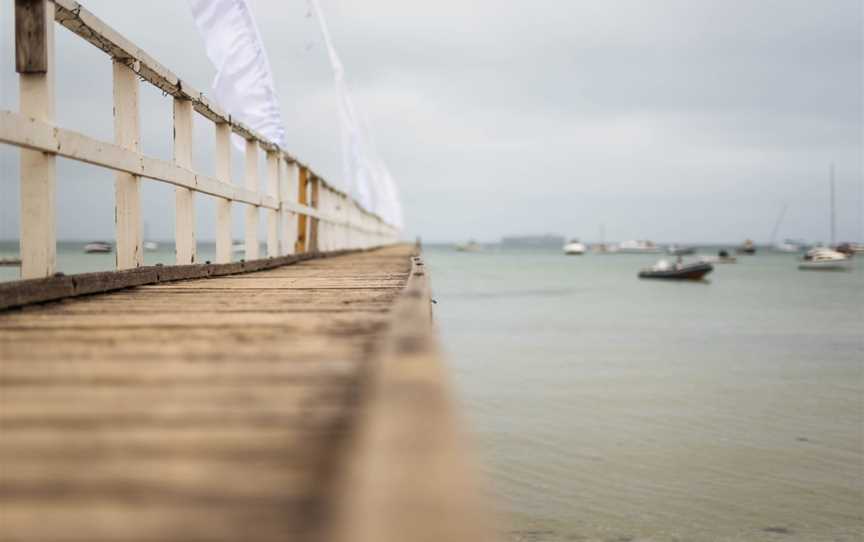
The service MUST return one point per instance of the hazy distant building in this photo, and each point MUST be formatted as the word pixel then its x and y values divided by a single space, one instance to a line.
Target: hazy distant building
pixel 532 241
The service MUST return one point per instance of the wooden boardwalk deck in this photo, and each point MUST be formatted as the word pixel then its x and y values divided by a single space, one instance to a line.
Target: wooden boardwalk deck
pixel 259 406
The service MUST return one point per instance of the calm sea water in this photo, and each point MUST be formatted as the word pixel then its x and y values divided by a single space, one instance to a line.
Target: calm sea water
pixel 611 408
pixel 614 409
pixel 71 257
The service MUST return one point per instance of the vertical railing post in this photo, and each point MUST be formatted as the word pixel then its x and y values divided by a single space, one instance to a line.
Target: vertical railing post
pixel 321 226
pixel 127 187
pixel 288 172
pixel 251 162
pixel 302 182
pixel 324 228
pixel 315 183
pixel 34 62
pixel 184 220
pixel 273 214
pixel 223 206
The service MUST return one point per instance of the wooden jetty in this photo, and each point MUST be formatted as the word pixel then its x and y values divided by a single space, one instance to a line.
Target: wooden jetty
pixel 306 400
pixel 293 395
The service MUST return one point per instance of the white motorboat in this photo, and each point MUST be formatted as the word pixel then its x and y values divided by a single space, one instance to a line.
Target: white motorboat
pixel 151 246
pixel 574 248
pixel 98 247
pixel 638 247
pixel 825 259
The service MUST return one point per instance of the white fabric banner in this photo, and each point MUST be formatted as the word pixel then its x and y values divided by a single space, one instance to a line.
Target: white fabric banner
pixel 243 85
pixel 367 177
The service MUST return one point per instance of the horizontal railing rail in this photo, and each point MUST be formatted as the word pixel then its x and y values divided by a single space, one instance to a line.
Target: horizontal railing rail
pixel 303 211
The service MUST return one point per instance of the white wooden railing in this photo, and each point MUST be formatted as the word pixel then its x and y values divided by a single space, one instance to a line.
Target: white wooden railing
pixel 304 212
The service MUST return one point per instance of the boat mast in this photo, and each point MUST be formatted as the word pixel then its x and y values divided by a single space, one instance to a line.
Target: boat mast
pixel 833 227
pixel 777 223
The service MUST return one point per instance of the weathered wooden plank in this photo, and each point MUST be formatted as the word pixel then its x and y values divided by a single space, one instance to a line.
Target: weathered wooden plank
pixel 31 43
pixel 30 133
pixel 223 206
pixel 127 206
pixel 314 202
pixel 35 43
pixel 302 198
pixel 200 413
pixel 229 442
pixel 403 476
pixel 163 370
pixel 288 173
pixel 273 248
pixel 251 211
pixel 172 517
pixel 25 292
pixel 169 319
pixel 184 208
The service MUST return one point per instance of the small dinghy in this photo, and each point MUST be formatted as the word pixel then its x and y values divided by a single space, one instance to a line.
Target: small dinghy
pixel 665 269
pixel 98 247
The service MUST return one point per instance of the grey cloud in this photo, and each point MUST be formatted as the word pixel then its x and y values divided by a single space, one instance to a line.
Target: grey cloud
pixel 675 119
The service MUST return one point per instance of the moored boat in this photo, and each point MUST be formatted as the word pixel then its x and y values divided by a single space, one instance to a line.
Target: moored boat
pixel 470 246
pixel 679 250
pixel 638 247
pixel 603 248
pixel 721 257
pixel 665 269
pixel 574 248
pixel 845 248
pixel 825 259
pixel 789 246
pixel 98 247
pixel 747 247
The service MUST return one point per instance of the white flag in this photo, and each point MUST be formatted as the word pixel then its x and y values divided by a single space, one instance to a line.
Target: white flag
pixel 243 85
pixel 368 179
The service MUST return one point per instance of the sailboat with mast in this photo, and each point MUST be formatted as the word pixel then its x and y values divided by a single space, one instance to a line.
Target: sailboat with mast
pixel 827 258
pixel 787 245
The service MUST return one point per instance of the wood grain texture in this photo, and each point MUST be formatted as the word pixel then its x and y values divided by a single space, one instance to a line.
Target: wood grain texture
pixel 314 202
pixel 210 409
pixel 127 187
pixel 31 41
pixel 184 207
pixel 223 206
pixel 251 211
pixel 302 221
pixel 405 479
pixel 273 218
pixel 38 169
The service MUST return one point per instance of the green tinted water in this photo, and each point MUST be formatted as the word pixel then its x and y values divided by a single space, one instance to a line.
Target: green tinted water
pixel 612 408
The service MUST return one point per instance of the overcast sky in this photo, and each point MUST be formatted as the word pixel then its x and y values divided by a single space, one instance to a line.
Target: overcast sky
pixel 674 120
